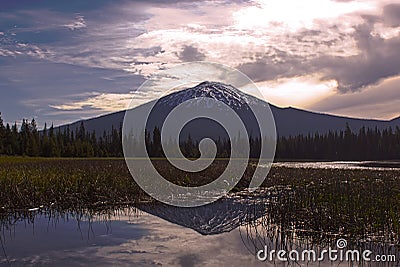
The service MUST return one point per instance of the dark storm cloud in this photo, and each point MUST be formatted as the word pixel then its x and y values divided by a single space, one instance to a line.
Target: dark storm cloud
pixel 378 59
pixel 190 53
pixel 391 15
pixel 188 260
pixel 269 67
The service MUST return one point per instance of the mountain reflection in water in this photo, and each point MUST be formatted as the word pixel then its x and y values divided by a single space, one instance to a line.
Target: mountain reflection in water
pixel 152 235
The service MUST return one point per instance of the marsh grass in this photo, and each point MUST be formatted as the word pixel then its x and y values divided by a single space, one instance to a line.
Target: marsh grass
pixel 360 203
pixel 66 184
pixel 76 184
pixel 312 208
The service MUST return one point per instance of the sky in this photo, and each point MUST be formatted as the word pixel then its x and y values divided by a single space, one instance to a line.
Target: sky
pixel 61 61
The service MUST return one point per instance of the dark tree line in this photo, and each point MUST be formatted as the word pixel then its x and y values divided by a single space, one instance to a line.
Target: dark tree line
pixel 27 140
pixel 366 144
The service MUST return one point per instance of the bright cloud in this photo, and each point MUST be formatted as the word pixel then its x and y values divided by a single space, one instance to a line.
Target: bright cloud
pixel 79 23
pixel 294 15
pixel 298 92
pixel 380 101
pixel 103 102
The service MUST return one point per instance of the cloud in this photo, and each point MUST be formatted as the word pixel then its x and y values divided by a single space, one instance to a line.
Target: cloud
pixel 104 43
pixel 265 49
pixel 163 35
pixel 104 102
pixel 79 23
pixel 294 15
pixel 380 101
pixel 391 15
pixel 378 59
pixel 277 64
pixel 300 92
pixel 30 86
pixel 191 53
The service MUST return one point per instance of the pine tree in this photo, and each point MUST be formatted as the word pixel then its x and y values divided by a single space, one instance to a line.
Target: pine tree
pixel 2 136
pixel 7 142
pixel 32 148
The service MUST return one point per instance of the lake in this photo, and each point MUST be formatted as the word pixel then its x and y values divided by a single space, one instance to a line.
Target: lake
pixel 207 236
pixel 228 232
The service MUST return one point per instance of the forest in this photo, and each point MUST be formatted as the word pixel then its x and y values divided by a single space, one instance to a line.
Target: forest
pixel 28 140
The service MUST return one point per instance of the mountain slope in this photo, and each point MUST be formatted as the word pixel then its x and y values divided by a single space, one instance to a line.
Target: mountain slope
pixel 289 121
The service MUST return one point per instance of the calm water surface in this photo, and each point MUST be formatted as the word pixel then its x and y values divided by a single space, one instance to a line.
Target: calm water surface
pixel 190 237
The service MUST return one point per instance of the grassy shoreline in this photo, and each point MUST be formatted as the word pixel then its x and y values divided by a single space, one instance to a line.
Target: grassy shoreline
pixel 28 182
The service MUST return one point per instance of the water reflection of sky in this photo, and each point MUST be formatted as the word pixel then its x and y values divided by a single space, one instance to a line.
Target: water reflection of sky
pixel 139 240
pixel 342 165
pixel 143 240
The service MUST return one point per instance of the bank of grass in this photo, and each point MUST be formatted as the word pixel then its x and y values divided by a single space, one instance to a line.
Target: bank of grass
pixel 27 183
pixel 79 183
pixel 22 159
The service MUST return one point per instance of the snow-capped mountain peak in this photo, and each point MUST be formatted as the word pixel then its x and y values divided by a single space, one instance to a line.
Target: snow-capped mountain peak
pixel 216 90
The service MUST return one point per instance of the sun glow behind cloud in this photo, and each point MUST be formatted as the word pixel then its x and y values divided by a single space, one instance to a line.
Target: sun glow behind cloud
pixel 246 32
pixel 105 102
pixel 379 101
pixel 297 92
pixel 294 15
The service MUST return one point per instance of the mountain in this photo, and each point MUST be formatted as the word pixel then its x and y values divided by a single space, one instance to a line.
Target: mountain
pixel 228 94
pixel 289 121
pixel 223 215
